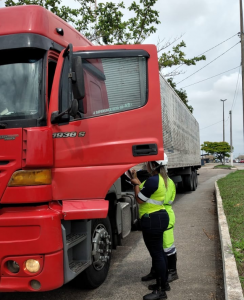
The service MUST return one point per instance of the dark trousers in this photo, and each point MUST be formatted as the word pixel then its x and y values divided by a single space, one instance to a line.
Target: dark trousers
pixel 153 227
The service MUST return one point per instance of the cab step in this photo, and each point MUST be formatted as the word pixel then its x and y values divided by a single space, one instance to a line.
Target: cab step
pixel 78 266
pixel 74 238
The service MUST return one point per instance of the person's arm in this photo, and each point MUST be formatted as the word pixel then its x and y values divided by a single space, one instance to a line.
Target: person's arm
pixel 136 182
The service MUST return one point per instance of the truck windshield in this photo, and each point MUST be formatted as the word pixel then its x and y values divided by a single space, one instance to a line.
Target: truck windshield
pixel 20 84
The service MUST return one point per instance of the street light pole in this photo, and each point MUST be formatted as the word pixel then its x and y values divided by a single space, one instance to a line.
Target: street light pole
pixel 223 118
pixel 231 152
pixel 242 60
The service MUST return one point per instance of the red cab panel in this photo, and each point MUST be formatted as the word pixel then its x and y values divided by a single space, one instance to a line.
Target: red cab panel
pixel 27 194
pixel 10 155
pixel 37 148
pixel 85 209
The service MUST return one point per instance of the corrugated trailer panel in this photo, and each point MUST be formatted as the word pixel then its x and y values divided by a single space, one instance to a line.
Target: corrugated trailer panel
pixel 180 129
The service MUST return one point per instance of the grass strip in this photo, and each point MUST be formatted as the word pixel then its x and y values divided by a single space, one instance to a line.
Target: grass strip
pixel 232 192
pixel 223 167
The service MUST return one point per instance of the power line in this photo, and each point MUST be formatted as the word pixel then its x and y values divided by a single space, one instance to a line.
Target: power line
pixel 209 77
pixel 208 63
pixel 211 125
pixel 208 50
pixel 218 44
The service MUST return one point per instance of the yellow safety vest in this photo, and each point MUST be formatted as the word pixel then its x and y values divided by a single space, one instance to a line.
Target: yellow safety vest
pixel 156 200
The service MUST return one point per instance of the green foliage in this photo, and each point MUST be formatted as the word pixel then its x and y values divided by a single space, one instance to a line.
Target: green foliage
pixel 218 149
pixel 181 93
pixel 222 167
pixel 177 57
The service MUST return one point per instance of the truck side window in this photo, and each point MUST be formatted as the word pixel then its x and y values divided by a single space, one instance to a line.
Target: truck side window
pixel 114 85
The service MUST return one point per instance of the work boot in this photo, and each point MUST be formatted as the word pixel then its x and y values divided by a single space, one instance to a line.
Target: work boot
pixel 172 275
pixel 150 276
pixel 156 295
pixel 172 271
pixel 155 286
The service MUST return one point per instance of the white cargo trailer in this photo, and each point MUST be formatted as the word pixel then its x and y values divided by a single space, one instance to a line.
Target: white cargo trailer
pixel 181 138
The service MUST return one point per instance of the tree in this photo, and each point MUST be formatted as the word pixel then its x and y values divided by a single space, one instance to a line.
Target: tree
pixel 106 25
pixel 218 149
pixel 176 58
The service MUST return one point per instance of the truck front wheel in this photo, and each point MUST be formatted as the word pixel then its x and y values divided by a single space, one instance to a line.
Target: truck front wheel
pixel 101 236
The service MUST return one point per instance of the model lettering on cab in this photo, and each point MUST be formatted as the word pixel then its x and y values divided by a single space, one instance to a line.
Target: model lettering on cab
pixel 8 137
pixel 64 134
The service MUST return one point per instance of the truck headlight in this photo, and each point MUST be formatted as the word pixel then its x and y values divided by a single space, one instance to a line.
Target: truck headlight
pixel 31 177
pixel 32 265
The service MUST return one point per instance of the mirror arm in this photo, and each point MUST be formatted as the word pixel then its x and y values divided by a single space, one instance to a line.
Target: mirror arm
pixel 56 115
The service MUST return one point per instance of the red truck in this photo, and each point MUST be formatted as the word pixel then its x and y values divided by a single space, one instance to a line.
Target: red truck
pixel 73 118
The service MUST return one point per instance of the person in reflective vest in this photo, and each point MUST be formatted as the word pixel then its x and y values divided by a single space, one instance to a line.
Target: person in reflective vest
pixel 168 238
pixel 150 196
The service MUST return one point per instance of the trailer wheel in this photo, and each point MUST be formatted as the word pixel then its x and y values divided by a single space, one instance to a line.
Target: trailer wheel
pixel 188 182
pixel 101 236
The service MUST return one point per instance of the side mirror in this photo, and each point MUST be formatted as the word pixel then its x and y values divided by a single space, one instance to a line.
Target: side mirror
pixel 78 85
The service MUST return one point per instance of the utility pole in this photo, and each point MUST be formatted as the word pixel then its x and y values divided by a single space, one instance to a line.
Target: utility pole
pixel 223 118
pixel 242 60
pixel 231 151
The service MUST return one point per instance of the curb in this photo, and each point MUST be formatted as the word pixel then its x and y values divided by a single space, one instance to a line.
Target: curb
pixel 233 290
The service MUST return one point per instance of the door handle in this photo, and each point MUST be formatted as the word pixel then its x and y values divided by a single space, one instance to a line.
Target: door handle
pixel 146 149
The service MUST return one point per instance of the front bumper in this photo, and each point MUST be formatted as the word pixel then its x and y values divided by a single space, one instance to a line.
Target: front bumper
pixel 29 232
pixel 51 277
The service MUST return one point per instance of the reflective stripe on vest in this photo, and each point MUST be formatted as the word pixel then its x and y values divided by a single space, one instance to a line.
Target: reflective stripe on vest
pixel 155 202
pixel 149 200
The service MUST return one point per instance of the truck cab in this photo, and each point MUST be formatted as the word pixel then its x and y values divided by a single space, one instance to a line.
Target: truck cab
pixel 73 118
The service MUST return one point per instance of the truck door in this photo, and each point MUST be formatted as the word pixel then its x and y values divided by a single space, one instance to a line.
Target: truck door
pixel 118 124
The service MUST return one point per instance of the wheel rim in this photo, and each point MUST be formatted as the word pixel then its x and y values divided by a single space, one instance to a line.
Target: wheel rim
pixel 101 247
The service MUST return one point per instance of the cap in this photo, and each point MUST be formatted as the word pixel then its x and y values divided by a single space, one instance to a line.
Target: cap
pixel 163 162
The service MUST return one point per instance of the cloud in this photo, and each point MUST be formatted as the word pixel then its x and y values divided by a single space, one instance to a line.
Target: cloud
pixel 208 110
pixel 183 12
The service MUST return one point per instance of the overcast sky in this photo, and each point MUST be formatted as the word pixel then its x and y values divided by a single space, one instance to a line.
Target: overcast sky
pixel 204 24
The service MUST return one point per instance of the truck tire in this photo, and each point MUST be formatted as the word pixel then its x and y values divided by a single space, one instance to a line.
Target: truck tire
pixel 188 182
pixel 97 272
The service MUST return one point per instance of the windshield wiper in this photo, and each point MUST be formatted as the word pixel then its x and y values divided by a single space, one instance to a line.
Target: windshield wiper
pixel 3 125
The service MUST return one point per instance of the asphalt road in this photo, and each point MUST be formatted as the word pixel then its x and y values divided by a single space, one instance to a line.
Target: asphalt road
pixel 199 257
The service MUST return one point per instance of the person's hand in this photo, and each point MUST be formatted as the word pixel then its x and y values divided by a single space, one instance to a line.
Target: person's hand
pixel 134 179
pixel 134 174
